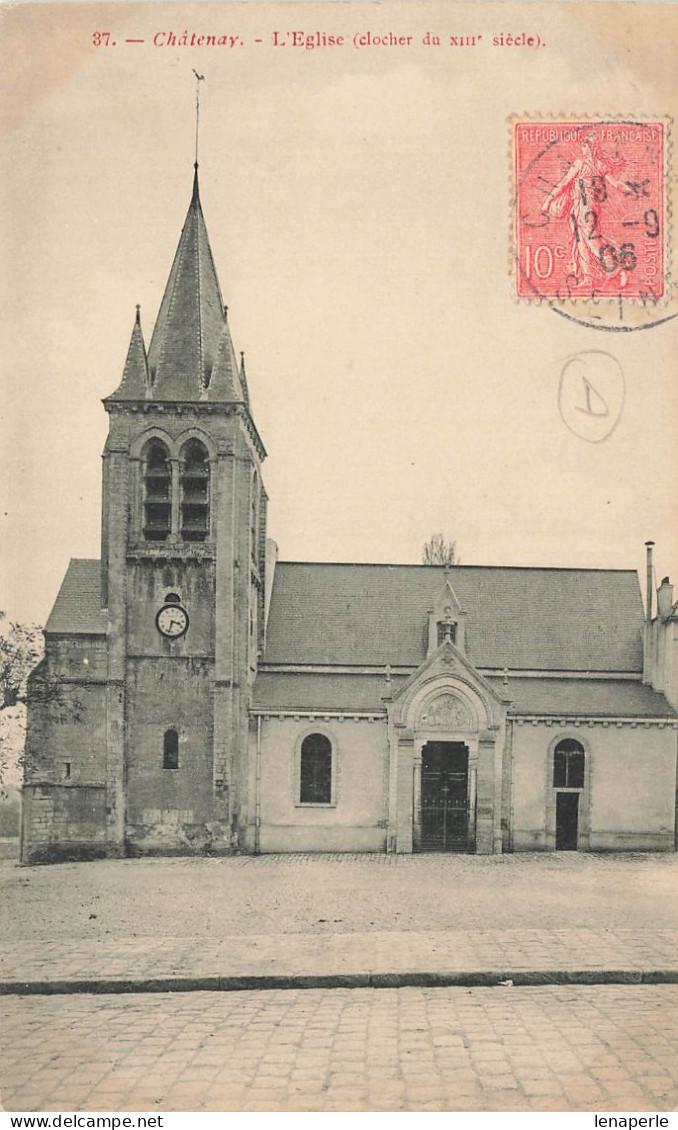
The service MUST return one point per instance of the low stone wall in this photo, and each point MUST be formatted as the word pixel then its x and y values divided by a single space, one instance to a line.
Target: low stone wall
pixel 62 822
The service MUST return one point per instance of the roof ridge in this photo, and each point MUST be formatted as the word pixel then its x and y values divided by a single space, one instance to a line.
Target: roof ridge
pixel 417 565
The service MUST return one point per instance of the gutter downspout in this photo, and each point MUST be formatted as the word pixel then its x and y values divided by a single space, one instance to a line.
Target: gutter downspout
pixel 257 792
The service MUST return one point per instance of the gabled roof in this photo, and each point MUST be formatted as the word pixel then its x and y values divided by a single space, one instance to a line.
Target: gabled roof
pixel 77 609
pixel 521 618
pixel 542 619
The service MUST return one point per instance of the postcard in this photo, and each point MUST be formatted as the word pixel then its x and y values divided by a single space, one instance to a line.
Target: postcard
pixel 338 464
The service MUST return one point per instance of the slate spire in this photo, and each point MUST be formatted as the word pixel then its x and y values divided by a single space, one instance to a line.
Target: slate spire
pixel 243 379
pixel 191 321
pixel 135 383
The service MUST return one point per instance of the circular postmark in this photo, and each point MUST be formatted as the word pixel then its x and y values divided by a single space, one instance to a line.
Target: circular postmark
pixel 591 233
pixel 591 394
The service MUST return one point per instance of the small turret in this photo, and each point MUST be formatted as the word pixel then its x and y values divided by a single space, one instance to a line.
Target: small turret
pixel 135 383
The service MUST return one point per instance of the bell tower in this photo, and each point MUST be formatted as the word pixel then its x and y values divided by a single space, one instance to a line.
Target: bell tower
pixel 182 569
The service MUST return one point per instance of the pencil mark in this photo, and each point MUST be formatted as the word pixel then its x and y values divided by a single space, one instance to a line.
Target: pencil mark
pixel 591 394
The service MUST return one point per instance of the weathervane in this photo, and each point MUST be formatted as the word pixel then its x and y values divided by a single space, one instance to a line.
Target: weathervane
pixel 198 80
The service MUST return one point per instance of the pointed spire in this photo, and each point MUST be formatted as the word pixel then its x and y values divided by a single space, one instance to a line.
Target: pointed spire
pixel 191 321
pixel 225 384
pixel 135 383
pixel 243 379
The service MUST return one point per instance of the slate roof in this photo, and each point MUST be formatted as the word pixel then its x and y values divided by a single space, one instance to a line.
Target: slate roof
pixel 553 619
pixel 307 691
pixel 135 384
pixel 588 697
pixel 567 697
pixel 77 608
pixel 191 355
pixel 373 615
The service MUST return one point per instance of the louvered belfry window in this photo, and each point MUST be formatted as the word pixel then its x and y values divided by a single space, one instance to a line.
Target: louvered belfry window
pixel 157 492
pixel 195 488
pixel 316 770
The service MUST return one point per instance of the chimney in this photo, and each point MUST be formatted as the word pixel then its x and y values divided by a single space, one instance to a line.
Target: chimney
pixel 649 546
pixel 664 599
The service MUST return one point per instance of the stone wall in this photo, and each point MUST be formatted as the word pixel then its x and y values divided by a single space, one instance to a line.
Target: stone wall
pixel 63 822
pixel 168 810
pixel 628 802
pixel 357 818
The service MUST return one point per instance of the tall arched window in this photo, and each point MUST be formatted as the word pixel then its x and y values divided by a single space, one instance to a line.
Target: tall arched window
pixel 157 491
pixel 569 761
pixel 170 750
pixel 195 489
pixel 316 770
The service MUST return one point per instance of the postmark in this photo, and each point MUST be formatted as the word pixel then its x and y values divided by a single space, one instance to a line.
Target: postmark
pixel 591 219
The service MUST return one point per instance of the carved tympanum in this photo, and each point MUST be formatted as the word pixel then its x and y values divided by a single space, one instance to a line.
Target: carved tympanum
pixel 448 711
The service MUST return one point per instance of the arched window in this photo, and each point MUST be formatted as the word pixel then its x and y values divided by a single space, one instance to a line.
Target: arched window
pixel 195 488
pixel 568 765
pixel 170 750
pixel 157 492
pixel 316 770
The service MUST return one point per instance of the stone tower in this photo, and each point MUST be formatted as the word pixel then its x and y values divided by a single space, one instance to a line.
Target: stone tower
pixel 161 739
pixel 182 568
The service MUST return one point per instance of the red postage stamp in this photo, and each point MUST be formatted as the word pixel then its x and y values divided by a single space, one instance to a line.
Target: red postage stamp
pixel 589 219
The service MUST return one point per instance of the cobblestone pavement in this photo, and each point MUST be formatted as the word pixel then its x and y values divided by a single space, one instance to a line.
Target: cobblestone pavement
pixel 502 952
pixel 451 1049
pixel 337 894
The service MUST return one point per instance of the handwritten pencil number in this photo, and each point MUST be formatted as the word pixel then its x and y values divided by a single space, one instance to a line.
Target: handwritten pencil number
pixel 596 405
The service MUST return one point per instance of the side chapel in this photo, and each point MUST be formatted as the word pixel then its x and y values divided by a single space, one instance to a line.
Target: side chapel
pixel 198 695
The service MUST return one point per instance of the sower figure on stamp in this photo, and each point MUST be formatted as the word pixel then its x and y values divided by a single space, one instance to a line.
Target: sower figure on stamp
pixel 580 196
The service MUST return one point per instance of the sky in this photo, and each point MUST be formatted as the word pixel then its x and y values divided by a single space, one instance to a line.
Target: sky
pixel 359 205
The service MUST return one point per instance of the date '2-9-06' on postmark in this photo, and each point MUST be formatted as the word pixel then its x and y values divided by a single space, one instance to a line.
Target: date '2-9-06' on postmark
pixel 589 221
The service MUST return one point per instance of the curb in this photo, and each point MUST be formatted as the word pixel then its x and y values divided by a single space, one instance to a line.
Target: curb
pixel 230 984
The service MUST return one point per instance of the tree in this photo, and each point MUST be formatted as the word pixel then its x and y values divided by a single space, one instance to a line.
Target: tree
pixel 437 551
pixel 21 648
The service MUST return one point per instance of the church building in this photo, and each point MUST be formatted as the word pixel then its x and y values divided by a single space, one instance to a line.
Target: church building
pixel 198 695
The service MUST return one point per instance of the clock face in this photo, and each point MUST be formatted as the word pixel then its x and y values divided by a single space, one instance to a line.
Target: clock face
pixel 172 621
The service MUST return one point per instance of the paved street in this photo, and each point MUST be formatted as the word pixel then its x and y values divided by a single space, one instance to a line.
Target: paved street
pixel 555 1046
pixel 563 1048
pixel 382 959
pixel 322 894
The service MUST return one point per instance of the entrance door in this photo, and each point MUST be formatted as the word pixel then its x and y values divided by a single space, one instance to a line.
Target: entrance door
pixel 444 797
pixel 567 821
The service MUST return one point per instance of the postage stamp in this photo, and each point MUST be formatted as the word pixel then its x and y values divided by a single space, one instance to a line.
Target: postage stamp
pixel 590 219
